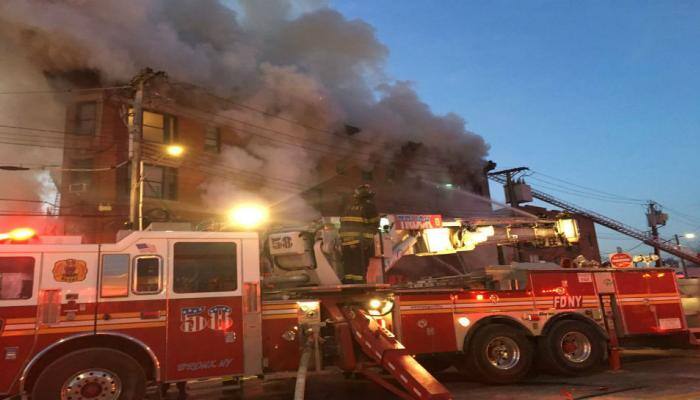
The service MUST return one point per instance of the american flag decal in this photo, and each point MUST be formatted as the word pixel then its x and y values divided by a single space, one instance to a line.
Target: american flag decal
pixel 146 248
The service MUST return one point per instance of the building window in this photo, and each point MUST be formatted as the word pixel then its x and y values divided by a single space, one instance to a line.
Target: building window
pixel 82 177
pixel 159 182
pixel 16 278
pixel 200 267
pixel 115 275
pixel 158 128
pixel 147 273
pixel 212 140
pixel 86 118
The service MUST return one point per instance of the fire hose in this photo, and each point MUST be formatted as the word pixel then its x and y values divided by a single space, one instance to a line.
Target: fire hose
pixel 303 368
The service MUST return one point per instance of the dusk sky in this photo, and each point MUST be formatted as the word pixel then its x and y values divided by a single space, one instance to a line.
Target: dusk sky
pixel 602 94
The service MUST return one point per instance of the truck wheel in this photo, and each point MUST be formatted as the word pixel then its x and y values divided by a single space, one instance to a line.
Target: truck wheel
pixel 93 373
pixel 500 354
pixel 572 348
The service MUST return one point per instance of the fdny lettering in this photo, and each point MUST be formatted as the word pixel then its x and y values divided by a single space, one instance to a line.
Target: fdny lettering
pixel 220 318
pixel 568 301
pixel 217 318
pixel 192 320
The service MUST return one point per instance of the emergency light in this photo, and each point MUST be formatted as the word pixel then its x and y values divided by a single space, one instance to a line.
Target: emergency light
pixel 18 235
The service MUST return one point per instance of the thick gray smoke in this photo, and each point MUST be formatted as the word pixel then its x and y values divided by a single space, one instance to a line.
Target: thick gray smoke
pixel 299 61
pixel 18 109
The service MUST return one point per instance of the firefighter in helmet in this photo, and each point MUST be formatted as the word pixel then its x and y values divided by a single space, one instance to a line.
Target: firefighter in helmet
pixel 357 228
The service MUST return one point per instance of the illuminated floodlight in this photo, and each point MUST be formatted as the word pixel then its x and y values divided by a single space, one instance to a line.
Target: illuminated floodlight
pixel 689 236
pixel 438 240
pixel 249 216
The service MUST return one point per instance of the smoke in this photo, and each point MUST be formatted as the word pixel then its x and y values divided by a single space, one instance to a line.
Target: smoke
pixel 309 69
pixel 17 74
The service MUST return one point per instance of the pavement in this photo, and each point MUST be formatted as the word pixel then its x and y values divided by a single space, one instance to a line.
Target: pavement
pixel 645 374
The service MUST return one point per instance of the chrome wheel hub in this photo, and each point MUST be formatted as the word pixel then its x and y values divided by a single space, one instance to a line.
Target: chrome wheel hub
pixel 503 352
pixel 94 383
pixel 576 347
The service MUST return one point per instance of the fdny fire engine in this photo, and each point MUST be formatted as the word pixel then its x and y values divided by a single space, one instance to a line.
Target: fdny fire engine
pixel 88 321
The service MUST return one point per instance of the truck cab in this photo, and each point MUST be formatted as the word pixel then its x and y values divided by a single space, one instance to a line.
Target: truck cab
pixel 179 305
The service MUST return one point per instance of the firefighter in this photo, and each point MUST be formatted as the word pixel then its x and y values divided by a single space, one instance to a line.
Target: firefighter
pixel 357 228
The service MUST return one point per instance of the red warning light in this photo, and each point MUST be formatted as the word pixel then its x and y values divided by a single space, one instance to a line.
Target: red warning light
pixel 18 235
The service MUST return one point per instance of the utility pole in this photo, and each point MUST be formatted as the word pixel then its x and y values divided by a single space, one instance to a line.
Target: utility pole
pixel 683 265
pixel 135 138
pixel 655 218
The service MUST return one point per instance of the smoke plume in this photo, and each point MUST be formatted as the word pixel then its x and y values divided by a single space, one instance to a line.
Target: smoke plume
pixel 307 70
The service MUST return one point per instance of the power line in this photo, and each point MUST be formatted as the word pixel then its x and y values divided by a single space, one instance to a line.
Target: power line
pixel 18 92
pixel 590 189
pixel 331 148
pixel 272 115
pixel 581 194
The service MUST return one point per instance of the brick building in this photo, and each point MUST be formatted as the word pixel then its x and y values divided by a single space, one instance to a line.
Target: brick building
pixel 95 203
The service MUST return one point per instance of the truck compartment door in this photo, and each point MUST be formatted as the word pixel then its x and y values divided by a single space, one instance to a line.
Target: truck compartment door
pixel 19 281
pixel 205 309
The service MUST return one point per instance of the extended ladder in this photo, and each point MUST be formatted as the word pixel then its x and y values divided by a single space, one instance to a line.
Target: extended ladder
pixel 608 223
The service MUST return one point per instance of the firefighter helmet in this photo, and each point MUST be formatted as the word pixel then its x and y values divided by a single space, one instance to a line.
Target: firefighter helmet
pixel 363 192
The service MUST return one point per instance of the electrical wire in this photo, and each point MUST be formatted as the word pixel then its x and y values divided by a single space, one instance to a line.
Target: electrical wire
pixel 331 149
pixel 21 92
pixel 580 194
pixel 589 188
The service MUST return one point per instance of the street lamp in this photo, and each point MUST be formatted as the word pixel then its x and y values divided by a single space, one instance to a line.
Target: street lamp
pixel 689 235
pixel 172 150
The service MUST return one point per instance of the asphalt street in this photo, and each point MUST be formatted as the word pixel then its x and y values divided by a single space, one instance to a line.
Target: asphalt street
pixel 646 374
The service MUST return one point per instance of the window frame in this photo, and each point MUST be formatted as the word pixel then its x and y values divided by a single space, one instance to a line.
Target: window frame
pixel 238 270
pixel 20 300
pixel 169 129
pixel 134 274
pixel 128 274
pixel 85 177
pixel 212 149
pixel 168 184
pixel 78 121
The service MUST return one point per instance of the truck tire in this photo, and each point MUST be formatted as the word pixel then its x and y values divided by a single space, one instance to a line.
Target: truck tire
pixel 92 373
pixel 500 354
pixel 571 348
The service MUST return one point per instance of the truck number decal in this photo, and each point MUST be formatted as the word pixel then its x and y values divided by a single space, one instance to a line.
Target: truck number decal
pixel 194 319
pixel 568 301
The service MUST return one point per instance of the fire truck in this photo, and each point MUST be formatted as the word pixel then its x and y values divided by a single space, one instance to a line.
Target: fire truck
pixel 101 321
pixel 498 321
pixel 89 321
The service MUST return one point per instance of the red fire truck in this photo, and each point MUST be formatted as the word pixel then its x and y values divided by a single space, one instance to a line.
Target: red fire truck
pixel 497 325
pixel 89 321
pixel 84 321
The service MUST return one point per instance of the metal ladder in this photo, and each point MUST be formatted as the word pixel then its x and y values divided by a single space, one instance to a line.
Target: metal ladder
pixel 384 351
pixel 608 223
